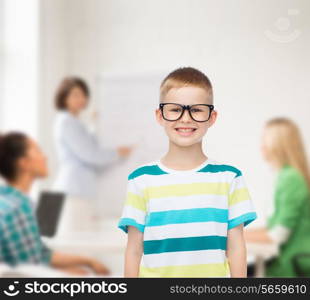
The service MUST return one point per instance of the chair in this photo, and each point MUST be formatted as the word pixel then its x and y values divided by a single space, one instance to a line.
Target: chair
pixel 301 264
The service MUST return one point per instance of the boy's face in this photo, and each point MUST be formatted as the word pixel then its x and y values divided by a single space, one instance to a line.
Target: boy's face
pixel 185 131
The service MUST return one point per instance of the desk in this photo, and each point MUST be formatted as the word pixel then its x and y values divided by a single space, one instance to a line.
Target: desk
pixel 107 245
pixel 261 252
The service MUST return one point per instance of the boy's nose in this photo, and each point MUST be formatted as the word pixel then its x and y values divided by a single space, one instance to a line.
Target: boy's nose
pixel 186 116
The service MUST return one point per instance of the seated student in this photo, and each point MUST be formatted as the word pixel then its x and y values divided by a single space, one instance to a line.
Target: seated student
pixel 21 162
pixel 289 225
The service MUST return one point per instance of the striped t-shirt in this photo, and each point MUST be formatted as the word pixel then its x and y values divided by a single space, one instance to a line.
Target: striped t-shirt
pixel 185 216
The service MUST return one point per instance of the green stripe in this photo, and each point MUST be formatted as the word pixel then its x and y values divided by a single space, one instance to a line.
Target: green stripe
pixel 220 168
pixel 125 222
pixel 185 244
pixel 146 170
pixel 207 214
pixel 246 219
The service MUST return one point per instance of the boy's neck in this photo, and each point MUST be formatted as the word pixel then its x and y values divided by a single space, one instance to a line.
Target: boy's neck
pixel 23 183
pixel 184 158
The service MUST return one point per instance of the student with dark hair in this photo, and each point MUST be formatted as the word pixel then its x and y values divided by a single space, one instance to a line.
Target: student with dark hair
pixel 81 157
pixel 21 162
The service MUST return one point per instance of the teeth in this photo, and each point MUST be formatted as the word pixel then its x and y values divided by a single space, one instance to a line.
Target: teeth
pixel 185 129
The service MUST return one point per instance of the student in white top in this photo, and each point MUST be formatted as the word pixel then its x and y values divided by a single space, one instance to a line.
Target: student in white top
pixel 81 157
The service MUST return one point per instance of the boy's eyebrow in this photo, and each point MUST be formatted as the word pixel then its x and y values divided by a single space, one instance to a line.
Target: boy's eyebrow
pixel 198 103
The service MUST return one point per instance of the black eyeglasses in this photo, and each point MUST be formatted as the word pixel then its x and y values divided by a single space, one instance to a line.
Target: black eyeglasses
pixel 174 111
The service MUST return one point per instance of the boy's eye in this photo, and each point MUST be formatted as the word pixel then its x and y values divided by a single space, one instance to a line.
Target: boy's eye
pixel 175 109
pixel 195 110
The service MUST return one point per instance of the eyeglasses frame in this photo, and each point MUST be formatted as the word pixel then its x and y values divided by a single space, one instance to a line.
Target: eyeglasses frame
pixel 185 107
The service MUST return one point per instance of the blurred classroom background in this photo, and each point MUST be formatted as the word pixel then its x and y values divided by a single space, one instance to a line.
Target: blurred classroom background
pixel 256 54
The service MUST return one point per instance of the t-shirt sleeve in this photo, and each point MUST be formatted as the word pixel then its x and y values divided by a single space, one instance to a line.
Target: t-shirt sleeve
pixel 46 254
pixel 290 195
pixel 240 206
pixel 134 211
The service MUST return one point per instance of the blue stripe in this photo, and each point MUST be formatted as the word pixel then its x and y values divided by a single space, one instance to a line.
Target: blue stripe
pixel 185 244
pixel 146 170
pixel 125 222
pixel 246 219
pixel 220 168
pixel 187 216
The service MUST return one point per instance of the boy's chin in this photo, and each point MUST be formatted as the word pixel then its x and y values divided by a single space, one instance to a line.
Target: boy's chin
pixel 184 144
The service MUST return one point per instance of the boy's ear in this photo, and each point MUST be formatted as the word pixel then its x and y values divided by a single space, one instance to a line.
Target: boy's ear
pixel 212 118
pixel 159 117
pixel 22 164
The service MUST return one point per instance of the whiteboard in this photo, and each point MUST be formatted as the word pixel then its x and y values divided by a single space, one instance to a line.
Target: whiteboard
pixel 126 105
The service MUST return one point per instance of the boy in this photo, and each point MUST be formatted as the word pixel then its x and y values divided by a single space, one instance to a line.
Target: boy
pixel 185 213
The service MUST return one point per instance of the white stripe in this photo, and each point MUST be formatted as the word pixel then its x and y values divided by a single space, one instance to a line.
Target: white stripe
pixel 133 213
pixel 183 258
pixel 188 202
pixel 183 178
pixel 240 208
pixel 185 230
pixel 134 187
pixel 238 183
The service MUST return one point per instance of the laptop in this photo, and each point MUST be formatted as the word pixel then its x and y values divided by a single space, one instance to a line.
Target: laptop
pixel 48 212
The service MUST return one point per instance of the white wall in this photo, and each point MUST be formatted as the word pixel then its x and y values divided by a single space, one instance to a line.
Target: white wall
pixel 255 53
pixel 19 65
pixel 53 67
pixel 1 54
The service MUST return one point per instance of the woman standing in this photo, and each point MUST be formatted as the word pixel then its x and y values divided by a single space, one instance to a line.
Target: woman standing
pixel 81 157
pixel 289 225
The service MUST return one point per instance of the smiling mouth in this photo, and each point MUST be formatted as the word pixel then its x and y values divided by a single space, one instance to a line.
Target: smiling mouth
pixel 185 129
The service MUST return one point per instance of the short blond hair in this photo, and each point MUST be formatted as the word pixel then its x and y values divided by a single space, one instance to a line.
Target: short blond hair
pixel 186 76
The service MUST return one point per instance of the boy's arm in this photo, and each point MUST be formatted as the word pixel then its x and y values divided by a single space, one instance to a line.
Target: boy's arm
pixel 236 252
pixel 134 251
